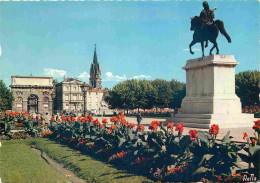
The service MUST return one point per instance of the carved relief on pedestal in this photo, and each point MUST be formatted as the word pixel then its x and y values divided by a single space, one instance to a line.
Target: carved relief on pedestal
pixel 45 93
pixel 19 93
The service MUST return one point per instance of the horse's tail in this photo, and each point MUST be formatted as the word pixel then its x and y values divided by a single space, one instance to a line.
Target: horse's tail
pixel 222 30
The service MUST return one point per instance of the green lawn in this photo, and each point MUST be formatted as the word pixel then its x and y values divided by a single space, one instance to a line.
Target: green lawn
pixel 85 166
pixel 18 164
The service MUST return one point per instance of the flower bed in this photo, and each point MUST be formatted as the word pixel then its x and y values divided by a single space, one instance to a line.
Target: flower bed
pixel 19 120
pixel 159 154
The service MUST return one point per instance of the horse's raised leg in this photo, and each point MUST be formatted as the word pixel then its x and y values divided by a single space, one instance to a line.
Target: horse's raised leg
pixel 191 44
pixel 206 44
pixel 202 48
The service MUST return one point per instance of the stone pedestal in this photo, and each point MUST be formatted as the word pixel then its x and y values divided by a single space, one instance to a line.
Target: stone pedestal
pixel 210 94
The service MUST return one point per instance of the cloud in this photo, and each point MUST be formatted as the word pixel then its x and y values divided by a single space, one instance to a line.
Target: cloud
pixel 54 72
pixel 84 75
pixel 140 77
pixel 194 49
pixel 111 77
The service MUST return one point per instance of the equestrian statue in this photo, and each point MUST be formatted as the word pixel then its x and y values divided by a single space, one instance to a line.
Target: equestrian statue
pixel 206 29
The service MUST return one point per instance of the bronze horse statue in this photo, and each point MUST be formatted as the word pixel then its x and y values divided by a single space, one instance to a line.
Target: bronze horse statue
pixel 206 33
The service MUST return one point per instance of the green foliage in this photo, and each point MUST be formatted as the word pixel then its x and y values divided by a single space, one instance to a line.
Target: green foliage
pixel 143 94
pixel 159 154
pixel 247 87
pixel 6 97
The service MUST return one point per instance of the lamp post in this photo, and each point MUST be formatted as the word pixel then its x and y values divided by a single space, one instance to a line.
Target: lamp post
pixel 53 95
pixel 84 88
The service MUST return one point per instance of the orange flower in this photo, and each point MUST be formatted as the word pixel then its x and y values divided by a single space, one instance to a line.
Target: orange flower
pixel 31 116
pixel 214 130
pixel 59 120
pixel 179 128
pixel 2 117
pixel 104 120
pixel 131 125
pixel 253 140
pixel 24 117
pixel 140 128
pixel 113 119
pixel 170 125
pixel 113 127
pixel 245 136
pixel 102 126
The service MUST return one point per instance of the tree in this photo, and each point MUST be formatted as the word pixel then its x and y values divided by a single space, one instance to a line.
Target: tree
pixel 178 93
pixel 6 97
pixel 163 94
pixel 247 87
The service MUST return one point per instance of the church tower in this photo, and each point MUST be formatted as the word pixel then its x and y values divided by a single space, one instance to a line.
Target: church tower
pixel 95 73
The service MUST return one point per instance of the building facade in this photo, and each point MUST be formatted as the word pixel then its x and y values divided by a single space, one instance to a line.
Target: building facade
pixel 32 94
pixel 70 98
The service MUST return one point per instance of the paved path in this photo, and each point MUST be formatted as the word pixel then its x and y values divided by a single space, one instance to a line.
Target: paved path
pixel 237 133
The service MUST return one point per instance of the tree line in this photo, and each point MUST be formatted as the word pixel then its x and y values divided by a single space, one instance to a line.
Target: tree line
pixel 159 93
pixel 144 94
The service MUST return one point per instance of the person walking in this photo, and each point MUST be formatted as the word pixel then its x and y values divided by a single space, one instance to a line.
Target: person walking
pixel 139 118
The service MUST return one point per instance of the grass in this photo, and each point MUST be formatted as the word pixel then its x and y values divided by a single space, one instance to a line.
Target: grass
pixel 85 166
pixel 18 164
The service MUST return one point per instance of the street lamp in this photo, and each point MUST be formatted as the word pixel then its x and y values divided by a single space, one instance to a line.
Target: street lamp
pixel 53 95
pixel 84 88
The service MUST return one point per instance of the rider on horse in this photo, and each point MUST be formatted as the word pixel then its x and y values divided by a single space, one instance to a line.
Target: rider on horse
pixel 207 15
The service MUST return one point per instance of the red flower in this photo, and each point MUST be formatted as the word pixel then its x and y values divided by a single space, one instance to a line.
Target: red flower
pixel 137 160
pixel 193 134
pixel 179 128
pixel 37 117
pixel 3 117
pixel 31 116
pixel 96 122
pixel 214 130
pixel 170 125
pixel 131 125
pixel 257 125
pixel 59 120
pixel 52 118
pixel 104 121
pixel 153 125
pixel 90 118
pixel 245 136
pixel 140 128
pixel 219 177
pixel 109 130
pixel 102 126
pixel 24 117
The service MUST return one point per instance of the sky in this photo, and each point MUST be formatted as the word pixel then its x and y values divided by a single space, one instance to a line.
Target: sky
pixel 135 39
